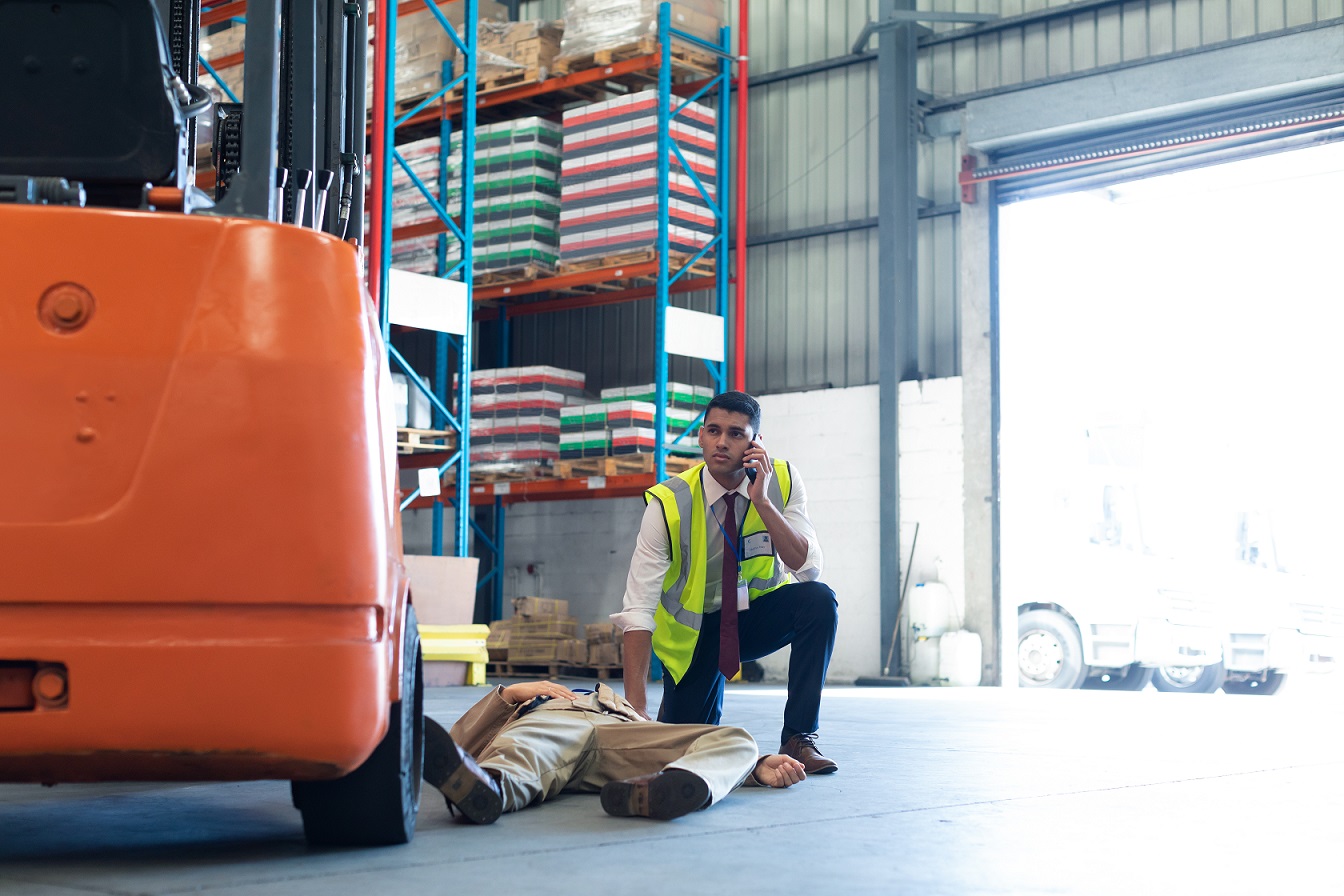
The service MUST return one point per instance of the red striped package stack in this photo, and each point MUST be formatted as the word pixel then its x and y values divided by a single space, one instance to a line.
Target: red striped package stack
pixel 631 440
pixel 515 416
pixel 609 179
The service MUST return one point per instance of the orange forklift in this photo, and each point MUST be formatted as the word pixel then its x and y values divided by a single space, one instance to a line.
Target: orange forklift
pixel 199 529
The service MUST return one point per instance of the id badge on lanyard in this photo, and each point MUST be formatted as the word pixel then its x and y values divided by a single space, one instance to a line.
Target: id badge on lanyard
pixel 729 543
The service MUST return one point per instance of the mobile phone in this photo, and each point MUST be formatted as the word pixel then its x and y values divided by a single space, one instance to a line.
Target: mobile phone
pixel 751 471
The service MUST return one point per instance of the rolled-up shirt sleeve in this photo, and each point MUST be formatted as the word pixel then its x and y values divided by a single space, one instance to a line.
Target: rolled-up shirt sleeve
pixel 648 568
pixel 796 514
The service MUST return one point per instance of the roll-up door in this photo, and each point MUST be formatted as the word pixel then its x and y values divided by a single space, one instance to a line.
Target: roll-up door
pixel 1163 145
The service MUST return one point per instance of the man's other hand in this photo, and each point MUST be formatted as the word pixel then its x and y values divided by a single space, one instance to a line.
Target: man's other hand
pixel 777 770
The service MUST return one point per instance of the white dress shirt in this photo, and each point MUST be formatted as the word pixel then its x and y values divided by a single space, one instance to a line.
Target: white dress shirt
pixel 653 554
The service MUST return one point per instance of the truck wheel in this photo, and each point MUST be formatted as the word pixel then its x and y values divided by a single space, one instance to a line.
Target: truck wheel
pixel 1049 651
pixel 1133 678
pixel 1273 681
pixel 1189 679
pixel 376 804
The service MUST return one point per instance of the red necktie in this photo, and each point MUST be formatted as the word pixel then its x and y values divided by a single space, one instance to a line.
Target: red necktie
pixel 728 653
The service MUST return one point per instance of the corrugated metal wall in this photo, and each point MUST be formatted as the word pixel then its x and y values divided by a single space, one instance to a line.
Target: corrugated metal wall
pixel 813 161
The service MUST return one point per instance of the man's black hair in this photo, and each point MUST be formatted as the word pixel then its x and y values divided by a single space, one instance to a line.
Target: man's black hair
pixel 738 403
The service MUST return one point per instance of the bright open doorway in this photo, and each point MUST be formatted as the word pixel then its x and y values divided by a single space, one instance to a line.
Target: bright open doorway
pixel 1170 363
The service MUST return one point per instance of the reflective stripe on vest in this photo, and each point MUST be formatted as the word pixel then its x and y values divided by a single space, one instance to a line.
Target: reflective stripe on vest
pixel 680 611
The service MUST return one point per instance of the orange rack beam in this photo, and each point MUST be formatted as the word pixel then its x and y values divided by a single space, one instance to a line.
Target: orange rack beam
pixel 528 490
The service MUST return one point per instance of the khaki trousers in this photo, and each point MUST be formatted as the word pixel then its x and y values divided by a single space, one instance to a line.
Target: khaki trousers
pixel 565 746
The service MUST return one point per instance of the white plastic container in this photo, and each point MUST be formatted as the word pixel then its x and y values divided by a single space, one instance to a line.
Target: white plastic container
pixel 931 610
pixel 924 661
pixel 958 660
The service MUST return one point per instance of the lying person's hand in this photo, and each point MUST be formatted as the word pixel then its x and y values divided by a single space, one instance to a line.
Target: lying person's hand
pixel 777 770
pixel 530 690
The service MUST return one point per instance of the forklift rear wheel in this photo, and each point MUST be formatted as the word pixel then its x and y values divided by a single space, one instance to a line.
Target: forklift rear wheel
pixel 376 804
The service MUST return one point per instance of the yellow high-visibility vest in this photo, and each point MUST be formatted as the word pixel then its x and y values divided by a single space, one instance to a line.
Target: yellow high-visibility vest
pixel 681 608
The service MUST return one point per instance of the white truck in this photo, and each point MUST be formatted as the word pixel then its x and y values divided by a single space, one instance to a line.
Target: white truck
pixel 1111 612
pixel 1272 623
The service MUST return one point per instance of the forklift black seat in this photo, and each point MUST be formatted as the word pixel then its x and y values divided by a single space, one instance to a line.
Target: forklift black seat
pixel 85 95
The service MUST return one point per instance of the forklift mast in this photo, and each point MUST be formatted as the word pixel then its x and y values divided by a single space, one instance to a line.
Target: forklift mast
pixel 104 122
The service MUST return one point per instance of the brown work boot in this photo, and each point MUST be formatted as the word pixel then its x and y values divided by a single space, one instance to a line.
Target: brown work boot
pixel 664 795
pixel 464 784
pixel 803 747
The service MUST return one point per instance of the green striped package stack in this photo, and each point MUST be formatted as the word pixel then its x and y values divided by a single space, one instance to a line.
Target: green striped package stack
pixel 632 407
pixel 584 432
pixel 517 207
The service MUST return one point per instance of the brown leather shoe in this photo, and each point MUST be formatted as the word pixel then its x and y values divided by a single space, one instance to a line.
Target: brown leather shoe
pixel 464 784
pixel 664 795
pixel 803 747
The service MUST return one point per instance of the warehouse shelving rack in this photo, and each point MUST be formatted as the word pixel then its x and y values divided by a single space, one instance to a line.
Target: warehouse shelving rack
pixel 382 156
pixel 655 279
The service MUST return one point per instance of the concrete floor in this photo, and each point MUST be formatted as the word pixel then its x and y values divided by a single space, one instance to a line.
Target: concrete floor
pixel 940 792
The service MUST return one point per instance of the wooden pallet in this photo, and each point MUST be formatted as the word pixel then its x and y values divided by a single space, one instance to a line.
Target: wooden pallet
pixel 620 465
pixel 533 470
pixel 675 260
pixel 502 81
pixel 531 271
pixel 683 56
pixel 420 441
pixel 553 670
pixel 405 104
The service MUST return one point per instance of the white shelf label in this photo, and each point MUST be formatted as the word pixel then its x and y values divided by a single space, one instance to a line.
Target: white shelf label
pixel 695 334
pixel 427 303
pixel 429 481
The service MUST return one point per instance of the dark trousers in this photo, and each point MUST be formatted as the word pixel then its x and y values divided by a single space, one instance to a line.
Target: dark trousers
pixel 803 614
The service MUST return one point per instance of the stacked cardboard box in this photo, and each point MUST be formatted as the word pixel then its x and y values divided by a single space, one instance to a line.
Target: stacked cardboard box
pixel 517 205
pixel 604 644
pixel 516 411
pixel 497 642
pixel 595 25
pixel 538 627
pixel 609 179
pixel 573 651
pixel 516 51
pixel 423 46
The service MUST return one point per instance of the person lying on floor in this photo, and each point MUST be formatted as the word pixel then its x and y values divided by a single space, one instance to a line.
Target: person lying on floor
pixel 528 742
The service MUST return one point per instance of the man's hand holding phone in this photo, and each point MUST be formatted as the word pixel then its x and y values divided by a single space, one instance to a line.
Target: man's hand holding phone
pixel 759 470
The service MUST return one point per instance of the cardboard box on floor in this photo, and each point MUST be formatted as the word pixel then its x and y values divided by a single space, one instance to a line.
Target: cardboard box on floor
pixel 497 642
pixel 604 654
pixel 602 633
pixel 573 651
pixel 540 607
